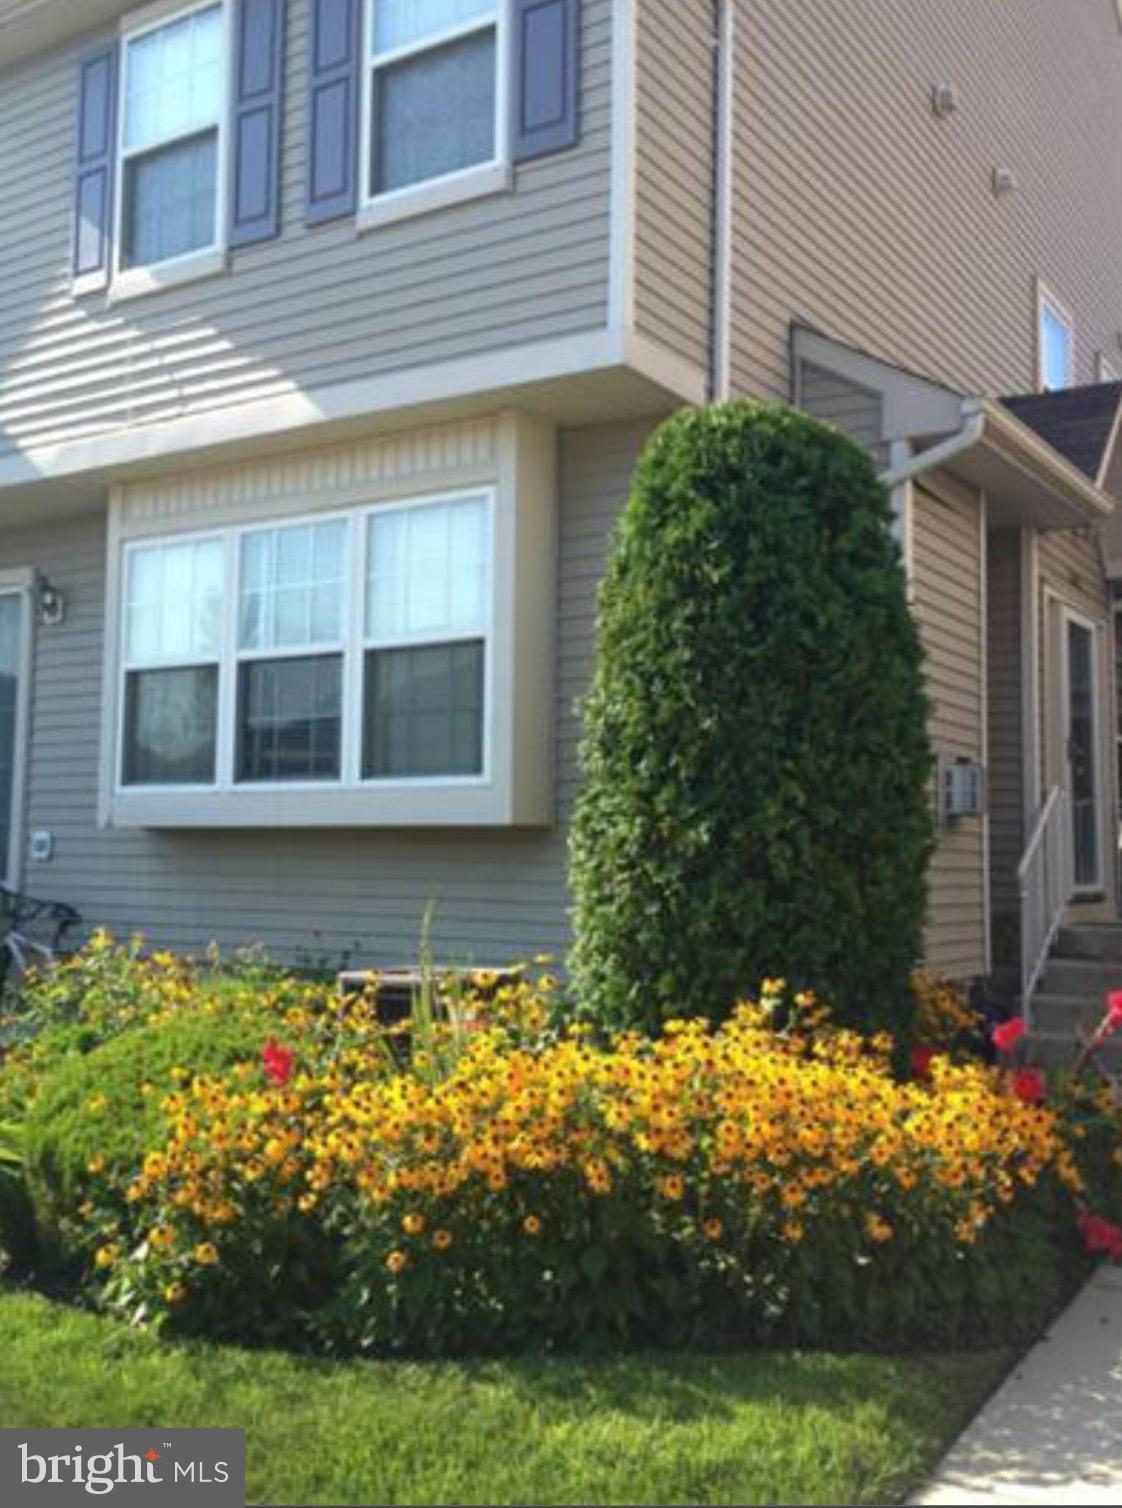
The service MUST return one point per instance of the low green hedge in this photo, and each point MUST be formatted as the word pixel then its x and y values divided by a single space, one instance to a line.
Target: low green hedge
pixel 256 1159
pixel 104 1106
pixel 18 1244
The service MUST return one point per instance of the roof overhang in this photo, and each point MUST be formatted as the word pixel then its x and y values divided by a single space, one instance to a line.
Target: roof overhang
pixel 30 26
pixel 1025 480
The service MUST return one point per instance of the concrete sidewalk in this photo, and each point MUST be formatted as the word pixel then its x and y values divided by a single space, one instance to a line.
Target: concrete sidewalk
pixel 1053 1433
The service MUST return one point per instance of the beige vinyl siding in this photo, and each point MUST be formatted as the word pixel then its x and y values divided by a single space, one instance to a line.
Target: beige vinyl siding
pixel 675 83
pixel 498 895
pixel 1006 735
pixel 948 602
pixel 315 307
pixel 855 410
pixel 1070 567
pixel 859 213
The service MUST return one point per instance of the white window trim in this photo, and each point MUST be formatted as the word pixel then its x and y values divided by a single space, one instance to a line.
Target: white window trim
pixel 479 180
pixel 129 665
pixel 204 261
pixel 1046 300
pixel 352 649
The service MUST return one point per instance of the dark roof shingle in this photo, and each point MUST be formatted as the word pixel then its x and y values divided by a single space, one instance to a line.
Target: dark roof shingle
pixel 1077 421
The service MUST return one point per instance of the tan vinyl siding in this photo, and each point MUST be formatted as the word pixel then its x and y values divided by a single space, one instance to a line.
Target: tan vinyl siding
pixel 1006 734
pixel 948 603
pixel 311 309
pixel 498 895
pixel 855 410
pixel 859 213
pixel 675 74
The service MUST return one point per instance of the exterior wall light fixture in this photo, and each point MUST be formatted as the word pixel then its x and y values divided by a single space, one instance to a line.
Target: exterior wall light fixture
pixel 50 604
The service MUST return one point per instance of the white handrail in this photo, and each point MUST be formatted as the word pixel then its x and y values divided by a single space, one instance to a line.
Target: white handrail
pixel 1044 877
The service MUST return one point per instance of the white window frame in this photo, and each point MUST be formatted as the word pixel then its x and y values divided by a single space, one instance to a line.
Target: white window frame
pixel 203 261
pixel 353 650
pixel 367 641
pixel 1047 302
pixel 234 656
pixel 130 666
pixel 482 178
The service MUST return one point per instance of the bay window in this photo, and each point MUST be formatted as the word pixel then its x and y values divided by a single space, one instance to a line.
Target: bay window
pixel 356 651
pixel 173 99
pixel 357 636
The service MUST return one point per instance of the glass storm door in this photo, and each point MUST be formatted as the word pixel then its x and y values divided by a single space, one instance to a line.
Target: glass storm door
pixel 1082 754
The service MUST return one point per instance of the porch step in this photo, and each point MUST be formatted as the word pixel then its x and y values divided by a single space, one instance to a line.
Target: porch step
pixel 1057 1049
pixel 1098 940
pixel 1085 965
pixel 1066 1014
pixel 1088 979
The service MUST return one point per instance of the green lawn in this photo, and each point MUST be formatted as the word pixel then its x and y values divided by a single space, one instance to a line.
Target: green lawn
pixel 751 1429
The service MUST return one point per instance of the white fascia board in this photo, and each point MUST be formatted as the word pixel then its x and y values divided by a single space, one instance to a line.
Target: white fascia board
pixel 112 456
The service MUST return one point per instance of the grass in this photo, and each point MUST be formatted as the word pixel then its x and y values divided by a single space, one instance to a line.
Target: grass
pixel 750 1429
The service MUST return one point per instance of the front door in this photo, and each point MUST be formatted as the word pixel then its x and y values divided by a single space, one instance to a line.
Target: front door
pixel 1084 778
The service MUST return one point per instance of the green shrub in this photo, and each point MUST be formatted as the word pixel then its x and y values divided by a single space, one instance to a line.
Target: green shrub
pixel 104 1106
pixel 738 1186
pixel 18 1245
pixel 756 760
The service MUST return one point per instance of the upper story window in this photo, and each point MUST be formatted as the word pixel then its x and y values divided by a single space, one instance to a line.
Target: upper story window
pixel 1055 343
pixel 173 103
pixel 355 651
pixel 433 90
pixel 407 106
pixel 436 92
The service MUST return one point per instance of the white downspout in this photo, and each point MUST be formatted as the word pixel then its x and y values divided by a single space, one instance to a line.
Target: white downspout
pixel 724 46
pixel 955 445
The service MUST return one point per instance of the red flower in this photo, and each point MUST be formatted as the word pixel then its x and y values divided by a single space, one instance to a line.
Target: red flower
pixel 922 1057
pixel 1114 1011
pixel 278 1062
pixel 1029 1085
pixel 1006 1037
pixel 1102 1237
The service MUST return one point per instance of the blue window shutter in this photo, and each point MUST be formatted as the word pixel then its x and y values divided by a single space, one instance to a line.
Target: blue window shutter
pixel 95 163
pixel 333 106
pixel 546 76
pixel 258 120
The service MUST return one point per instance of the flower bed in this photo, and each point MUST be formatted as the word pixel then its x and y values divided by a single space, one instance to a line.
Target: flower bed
pixel 523 1184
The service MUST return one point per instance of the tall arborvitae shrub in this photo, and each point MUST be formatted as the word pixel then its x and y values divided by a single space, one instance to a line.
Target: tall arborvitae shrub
pixel 756 797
